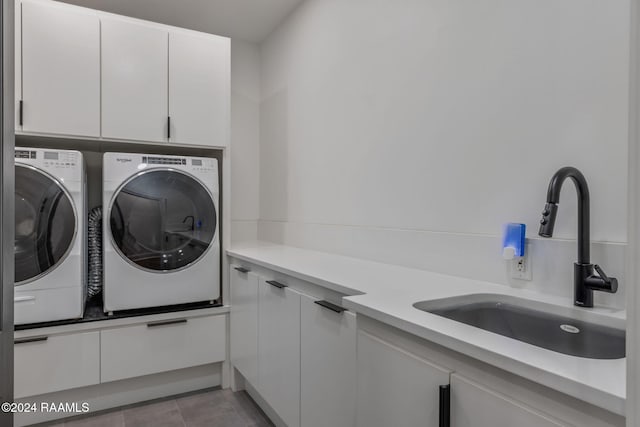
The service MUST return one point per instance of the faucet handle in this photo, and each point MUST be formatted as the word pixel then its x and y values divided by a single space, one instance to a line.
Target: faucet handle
pixel 602 274
pixel 607 284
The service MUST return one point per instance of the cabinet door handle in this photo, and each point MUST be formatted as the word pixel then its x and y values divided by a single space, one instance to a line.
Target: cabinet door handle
pixel 30 339
pixel 242 269
pixel 330 306
pixel 445 406
pixel 168 127
pixel 166 323
pixel 276 284
pixel 20 112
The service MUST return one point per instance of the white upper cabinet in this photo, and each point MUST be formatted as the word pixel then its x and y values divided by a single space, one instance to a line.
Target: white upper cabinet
pixel 85 73
pixel 134 80
pixel 60 69
pixel 199 88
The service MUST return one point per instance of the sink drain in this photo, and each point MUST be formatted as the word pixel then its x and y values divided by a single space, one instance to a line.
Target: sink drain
pixel 570 328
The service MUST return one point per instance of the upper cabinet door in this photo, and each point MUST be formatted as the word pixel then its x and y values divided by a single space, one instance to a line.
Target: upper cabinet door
pixel 134 80
pixel 60 69
pixel 199 94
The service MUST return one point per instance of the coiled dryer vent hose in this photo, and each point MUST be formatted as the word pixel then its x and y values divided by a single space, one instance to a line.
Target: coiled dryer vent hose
pixel 94 284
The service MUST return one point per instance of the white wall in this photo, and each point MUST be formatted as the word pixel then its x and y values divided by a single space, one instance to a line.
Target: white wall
pixel 245 113
pixel 409 131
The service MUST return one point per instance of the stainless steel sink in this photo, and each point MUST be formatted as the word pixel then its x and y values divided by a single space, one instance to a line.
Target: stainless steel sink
pixel 570 331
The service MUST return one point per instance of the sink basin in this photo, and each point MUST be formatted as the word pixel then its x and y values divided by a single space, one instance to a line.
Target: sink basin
pixel 535 323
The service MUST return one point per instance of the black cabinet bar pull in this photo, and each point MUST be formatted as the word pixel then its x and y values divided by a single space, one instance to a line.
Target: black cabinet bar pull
pixel 20 112
pixel 242 269
pixel 276 284
pixel 30 339
pixel 445 406
pixel 166 322
pixel 168 127
pixel 330 306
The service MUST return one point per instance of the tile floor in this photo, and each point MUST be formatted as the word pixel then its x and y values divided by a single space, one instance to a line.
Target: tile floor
pixel 216 408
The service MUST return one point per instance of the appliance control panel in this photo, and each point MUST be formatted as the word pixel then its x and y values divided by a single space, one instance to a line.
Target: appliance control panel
pixel 59 159
pixel 49 159
pixel 194 164
pixel 202 165
pixel 153 160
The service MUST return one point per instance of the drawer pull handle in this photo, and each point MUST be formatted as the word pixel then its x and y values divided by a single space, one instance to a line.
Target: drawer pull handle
pixel 444 416
pixel 330 306
pixel 30 339
pixel 166 323
pixel 276 284
pixel 242 269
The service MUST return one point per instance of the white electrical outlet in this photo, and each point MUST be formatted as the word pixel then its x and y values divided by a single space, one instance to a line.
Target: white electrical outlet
pixel 521 266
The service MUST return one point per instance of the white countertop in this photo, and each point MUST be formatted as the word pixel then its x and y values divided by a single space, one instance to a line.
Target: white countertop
pixel 387 293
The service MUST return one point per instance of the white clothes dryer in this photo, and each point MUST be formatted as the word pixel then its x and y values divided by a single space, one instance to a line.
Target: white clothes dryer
pixel 160 230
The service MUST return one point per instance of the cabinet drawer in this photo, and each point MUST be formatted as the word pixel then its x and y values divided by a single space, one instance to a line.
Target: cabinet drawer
pixel 48 364
pixel 162 346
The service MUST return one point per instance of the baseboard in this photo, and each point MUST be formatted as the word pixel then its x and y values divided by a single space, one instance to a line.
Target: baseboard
pixel 115 394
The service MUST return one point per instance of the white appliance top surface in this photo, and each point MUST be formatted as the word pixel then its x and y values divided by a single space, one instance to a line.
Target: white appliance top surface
pixel 387 293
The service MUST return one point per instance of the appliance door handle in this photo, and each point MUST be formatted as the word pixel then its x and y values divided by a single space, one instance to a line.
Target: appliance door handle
pixel 168 127
pixel 241 269
pixel 23 298
pixel 331 306
pixel 444 413
pixel 166 323
pixel 41 338
pixel 277 284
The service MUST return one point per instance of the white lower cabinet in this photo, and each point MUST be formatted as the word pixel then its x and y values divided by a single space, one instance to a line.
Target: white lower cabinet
pixel 315 366
pixel 244 322
pixel 279 349
pixel 474 405
pixel 44 364
pixel 162 345
pixel 328 365
pixel 396 388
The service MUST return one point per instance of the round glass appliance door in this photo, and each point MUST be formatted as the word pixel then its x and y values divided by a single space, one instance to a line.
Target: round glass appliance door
pixel 45 224
pixel 162 220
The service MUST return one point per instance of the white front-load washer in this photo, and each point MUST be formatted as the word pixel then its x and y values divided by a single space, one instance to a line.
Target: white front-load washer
pixel 50 236
pixel 160 230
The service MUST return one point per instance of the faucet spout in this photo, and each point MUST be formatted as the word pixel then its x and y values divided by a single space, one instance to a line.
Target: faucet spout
pixel 550 211
pixel 584 277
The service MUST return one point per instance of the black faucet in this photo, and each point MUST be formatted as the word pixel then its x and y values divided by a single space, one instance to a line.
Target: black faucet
pixel 584 279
